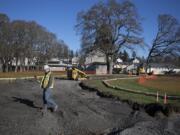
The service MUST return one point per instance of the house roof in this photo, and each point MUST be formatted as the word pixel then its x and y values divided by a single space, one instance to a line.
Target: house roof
pixel 97 53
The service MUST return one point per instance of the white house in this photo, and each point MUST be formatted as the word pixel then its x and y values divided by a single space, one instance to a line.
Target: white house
pixel 95 56
pixel 57 64
pixel 75 60
pixel 160 69
pixel 135 61
pixel 131 65
pixel 95 62
pixel 119 60
pixel 97 68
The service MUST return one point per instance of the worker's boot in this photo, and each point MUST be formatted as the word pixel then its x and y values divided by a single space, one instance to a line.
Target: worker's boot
pixel 44 110
pixel 55 108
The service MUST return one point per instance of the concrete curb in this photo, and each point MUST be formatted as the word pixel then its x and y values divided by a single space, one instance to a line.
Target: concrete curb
pixel 18 78
pixel 135 77
pixel 27 78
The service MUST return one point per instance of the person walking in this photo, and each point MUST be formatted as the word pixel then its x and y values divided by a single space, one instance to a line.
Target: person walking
pixel 47 84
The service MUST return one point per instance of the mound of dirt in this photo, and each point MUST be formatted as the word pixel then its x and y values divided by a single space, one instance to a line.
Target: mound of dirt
pixel 81 112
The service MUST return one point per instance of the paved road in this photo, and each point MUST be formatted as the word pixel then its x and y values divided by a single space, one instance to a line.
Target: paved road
pixel 80 113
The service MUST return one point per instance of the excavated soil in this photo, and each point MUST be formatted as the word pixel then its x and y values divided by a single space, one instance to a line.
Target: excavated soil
pixel 80 112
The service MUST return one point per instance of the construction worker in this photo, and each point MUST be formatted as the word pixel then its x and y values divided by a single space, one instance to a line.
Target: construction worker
pixel 47 84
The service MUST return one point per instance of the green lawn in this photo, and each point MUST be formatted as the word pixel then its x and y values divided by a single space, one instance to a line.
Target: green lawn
pixel 170 85
pixel 142 99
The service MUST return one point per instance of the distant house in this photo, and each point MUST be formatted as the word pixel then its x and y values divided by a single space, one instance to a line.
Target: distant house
pixel 65 60
pixel 130 65
pixel 75 61
pixel 119 60
pixel 95 56
pixel 99 68
pixel 158 68
pixel 95 62
pixel 119 64
pixel 135 61
pixel 133 65
pixel 57 64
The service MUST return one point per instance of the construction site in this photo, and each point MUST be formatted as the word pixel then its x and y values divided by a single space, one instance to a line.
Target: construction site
pixel 90 67
pixel 81 112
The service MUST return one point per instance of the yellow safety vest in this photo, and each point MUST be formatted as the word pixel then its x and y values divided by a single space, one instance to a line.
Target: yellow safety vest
pixel 45 81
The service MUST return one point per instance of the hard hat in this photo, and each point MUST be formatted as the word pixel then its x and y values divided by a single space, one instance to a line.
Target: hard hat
pixel 46 67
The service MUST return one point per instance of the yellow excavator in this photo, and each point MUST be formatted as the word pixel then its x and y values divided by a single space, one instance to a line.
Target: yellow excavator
pixel 140 69
pixel 75 74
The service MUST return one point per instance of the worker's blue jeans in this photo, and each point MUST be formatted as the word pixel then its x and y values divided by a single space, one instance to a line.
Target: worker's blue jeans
pixel 47 98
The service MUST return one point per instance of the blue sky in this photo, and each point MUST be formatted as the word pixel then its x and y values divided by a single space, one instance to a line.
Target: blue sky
pixel 59 16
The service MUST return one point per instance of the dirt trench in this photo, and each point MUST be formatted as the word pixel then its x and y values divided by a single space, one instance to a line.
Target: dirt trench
pixel 80 113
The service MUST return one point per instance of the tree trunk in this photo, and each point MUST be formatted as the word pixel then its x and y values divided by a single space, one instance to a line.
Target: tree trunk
pixel 20 68
pixel 24 64
pixel 147 64
pixel 28 64
pixel 3 67
pixel 16 66
pixel 27 67
pixel 109 62
pixel 6 67
pixel 21 65
pixel 10 66
pixel 37 66
pixel 1 64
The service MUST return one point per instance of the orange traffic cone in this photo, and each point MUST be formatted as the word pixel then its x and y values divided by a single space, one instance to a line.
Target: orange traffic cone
pixel 141 80
pixel 157 97
pixel 165 98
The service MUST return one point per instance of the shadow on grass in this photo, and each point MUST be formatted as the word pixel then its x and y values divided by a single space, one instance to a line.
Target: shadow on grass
pixel 27 102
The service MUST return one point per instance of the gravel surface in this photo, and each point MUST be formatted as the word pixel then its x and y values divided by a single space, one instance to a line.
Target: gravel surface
pixel 80 113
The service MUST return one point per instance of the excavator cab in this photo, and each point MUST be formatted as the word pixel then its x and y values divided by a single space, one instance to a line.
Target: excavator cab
pixel 69 73
pixel 75 74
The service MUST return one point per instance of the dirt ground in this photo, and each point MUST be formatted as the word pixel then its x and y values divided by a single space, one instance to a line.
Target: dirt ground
pixel 80 113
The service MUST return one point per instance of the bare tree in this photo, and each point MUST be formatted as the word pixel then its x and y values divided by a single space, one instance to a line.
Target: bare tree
pixel 108 27
pixel 63 50
pixel 66 52
pixel 71 54
pixel 23 42
pixel 19 38
pixel 6 53
pixel 167 40
pixel 134 54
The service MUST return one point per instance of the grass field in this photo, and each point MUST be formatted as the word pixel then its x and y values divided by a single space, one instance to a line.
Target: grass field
pixel 133 84
pixel 170 85
pixel 117 93
pixel 27 74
